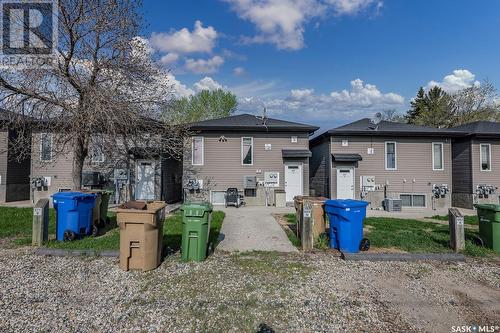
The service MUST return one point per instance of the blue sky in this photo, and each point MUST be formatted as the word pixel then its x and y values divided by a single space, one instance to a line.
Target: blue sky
pixel 325 61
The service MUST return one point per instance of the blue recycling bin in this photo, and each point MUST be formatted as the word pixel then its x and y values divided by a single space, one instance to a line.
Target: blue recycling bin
pixel 73 214
pixel 346 224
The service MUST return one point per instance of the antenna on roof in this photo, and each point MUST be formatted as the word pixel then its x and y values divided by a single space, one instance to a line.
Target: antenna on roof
pixel 375 120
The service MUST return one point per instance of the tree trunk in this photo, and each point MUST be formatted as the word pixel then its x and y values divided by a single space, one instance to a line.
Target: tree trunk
pixel 80 153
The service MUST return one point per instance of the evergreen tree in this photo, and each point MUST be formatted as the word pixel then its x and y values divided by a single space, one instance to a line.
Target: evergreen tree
pixel 417 107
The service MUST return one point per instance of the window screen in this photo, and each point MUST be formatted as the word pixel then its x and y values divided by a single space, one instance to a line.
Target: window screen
pixel 197 150
pixel 405 200
pixel 390 151
pixel 437 158
pixel 485 158
pixel 246 151
pixel 412 200
pixel 46 147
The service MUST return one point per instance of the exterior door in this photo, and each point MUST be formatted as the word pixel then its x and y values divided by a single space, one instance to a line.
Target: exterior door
pixel 145 188
pixel 345 183
pixel 293 181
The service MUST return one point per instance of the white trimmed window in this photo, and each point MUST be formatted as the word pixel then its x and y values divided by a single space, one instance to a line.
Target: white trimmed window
pixel 391 156
pixel 45 147
pixel 197 147
pixel 412 200
pixel 247 151
pixel 437 156
pixel 485 157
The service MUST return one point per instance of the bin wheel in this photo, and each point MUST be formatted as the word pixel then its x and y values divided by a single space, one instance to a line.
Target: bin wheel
pixel 364 245
pixel 69 235
pixel 95 231
pixel 478 241
pixel 210 249
pixel 108 220
pixel 102 223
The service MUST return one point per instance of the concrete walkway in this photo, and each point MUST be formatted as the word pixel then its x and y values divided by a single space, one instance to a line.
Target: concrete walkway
pixel 253 228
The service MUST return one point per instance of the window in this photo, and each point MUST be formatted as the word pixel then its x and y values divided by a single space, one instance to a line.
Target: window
pixel 485 157
pixel 412 200
pixel 197 147
pixel 437 156
pixel 45 147
pixel 250 192
pixel 390 156
pixel 97 151
pixel 247 151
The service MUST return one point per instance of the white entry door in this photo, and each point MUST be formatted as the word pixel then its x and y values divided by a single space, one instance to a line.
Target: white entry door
pixel 145 188
pixel 345 183
pixel 293 181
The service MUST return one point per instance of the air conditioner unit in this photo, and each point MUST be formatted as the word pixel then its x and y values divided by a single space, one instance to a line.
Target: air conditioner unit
pixel 393 205
pixel 249 182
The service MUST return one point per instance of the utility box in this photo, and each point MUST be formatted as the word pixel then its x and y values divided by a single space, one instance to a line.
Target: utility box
pixel 457 235
pixel 141 234
pixel 40 222
pixel 280 198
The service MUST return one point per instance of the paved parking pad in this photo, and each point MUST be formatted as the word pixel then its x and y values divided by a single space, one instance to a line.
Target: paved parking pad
pixel 254 229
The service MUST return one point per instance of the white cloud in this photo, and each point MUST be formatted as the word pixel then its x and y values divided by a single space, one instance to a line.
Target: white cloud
pixel 179 90
pixel 204 66
pixel 239 71
pixel 282 22
pixel 169 58
pixel 459 79
pixel 207 83
pixel 300 94
pixel 351 7
pixel 361 100
pixel 183 41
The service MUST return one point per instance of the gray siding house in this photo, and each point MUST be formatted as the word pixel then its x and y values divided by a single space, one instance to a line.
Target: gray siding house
pixel 14 172
pixel 258 156
pixel 390 160
pixel 476 164
pixel 132 177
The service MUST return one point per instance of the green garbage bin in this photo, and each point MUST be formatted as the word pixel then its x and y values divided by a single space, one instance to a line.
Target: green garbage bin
pixel 489 225
pixel 195 230
pixel 101 208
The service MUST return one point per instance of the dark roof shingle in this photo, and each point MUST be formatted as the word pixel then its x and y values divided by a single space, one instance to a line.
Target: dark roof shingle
pixel 248 122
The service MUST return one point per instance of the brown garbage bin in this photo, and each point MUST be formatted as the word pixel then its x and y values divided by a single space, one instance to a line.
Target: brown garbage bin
pixel 317 214
pixel 141 235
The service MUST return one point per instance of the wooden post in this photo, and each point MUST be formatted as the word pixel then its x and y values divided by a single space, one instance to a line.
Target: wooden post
pixel 40 222
pixel 457 235
pixel 306 234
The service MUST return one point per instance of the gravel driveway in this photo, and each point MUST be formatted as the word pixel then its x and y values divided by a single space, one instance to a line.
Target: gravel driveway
pixel 241 292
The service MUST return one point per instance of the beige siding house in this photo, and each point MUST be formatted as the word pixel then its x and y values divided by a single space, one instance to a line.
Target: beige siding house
pixel 158 178
pixel 259 157
pixel 476 164
pixel 389 160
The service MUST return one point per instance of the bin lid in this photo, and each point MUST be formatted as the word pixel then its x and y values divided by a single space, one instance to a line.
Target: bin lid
pixel 72 195
pixel 196 208
pixel 492 207
pixel 346 203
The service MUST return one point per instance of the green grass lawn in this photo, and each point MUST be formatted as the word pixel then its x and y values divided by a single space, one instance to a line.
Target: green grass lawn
pixel 416 236
pixel 16 224
pixel 410 236
pixel 470 219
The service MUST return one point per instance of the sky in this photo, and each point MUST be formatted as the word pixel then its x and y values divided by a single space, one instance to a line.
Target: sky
pixel 324 62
